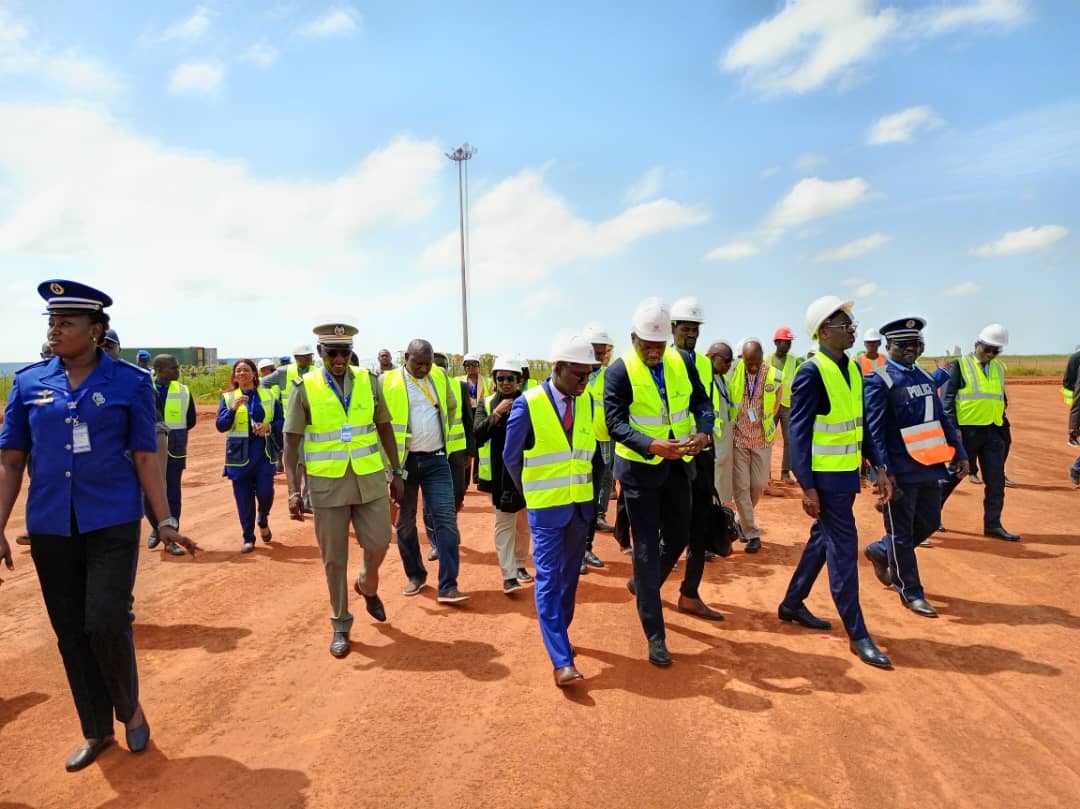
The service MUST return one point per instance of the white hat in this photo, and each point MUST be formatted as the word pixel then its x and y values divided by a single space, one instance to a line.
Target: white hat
pixel 652 321
pixel 470 357
pixel 573 348
pixel 267 364
pixel 507 362
pixel 871 336
pixel 818 312
pixel 597 335
pixel 302 349
pixel 688 310
pixel 994 335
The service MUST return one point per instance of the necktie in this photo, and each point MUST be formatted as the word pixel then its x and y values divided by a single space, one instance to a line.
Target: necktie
pixel 568 414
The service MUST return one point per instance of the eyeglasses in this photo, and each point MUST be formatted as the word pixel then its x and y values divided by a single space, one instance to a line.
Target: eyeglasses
pixel 995 350
pixel 506 378
pixel 850 328
pixel 337 352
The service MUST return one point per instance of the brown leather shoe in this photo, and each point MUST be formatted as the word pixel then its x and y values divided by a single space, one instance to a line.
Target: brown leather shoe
pixel 567 675
pixel 695 606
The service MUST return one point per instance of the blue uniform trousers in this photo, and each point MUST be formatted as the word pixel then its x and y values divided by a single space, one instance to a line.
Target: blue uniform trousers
pixel 987 445
pixel 834 540
pixel 909 519
pixel 557 555
pixel 430 473
pixel 256 485
pixel 174 473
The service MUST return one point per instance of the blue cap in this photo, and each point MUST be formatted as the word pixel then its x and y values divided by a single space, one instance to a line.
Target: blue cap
pixel 112 336
pixel 71 296
pixel 903 328
pixel 142 354
pixel 285 360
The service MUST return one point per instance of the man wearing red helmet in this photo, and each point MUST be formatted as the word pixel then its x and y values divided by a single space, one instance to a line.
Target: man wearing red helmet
pixel 782 361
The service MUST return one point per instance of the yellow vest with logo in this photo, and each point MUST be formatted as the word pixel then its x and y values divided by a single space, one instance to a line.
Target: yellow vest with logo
pixel 596 389
pixel 981 399
pixel 177 401
pixel 396 395
pixel 558 472
pixel 236 439
pixel 648 414
pixel 837 436
pixel 787 377
pixel 773 386
pixel 326 455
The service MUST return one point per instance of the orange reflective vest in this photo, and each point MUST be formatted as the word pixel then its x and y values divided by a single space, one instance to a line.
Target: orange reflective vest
pixel 867 366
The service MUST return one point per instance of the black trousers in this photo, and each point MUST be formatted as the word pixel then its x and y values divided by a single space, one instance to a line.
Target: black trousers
pixel 987 444
pixel 652 512
pixel 86 580
pixel 701 488
pixel 622 521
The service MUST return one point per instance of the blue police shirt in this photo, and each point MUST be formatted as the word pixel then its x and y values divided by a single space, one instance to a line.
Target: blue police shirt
pixel 100 487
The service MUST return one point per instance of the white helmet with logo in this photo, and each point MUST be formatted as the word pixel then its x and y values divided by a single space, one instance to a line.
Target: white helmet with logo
pixel 688 310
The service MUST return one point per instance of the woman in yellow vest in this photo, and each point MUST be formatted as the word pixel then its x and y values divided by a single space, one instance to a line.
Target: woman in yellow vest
pixel 826 451
pixel 247 415
pixel 548 454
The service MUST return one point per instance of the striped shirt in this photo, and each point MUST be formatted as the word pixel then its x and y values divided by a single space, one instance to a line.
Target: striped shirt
pixel 752 435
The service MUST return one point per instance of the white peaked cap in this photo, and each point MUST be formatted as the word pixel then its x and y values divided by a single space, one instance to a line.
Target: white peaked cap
pixel 302 349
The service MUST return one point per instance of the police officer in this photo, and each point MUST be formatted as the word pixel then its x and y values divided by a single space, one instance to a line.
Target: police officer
pixel 975 399
pixel 338 419
pixel 142 359
pixel 175 409
pixel 83 412
pixel 110 344
pixel 550 443
pixel 826 438
pixel 906 424
pixel 660 417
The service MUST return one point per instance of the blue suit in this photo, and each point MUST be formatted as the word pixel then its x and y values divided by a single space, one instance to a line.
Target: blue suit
pixel 252 481
pixel 559 535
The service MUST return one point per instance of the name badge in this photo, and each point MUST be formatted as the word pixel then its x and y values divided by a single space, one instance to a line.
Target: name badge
pixel 80 439
pixel 346 434
pixel 752 415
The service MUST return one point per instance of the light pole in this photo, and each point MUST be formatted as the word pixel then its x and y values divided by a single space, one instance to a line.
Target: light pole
pixel 459 156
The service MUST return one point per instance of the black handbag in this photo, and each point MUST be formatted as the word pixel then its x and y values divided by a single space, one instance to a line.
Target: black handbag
pixel 720 533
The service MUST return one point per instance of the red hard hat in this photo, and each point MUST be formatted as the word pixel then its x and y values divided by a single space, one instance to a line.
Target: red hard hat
pixel 783 333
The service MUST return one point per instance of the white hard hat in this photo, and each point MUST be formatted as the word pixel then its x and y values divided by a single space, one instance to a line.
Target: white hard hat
pixel 819 311
pixel 871 336
pixel 302 349
pixel 687 309
pixel 994 335
pixel 597 335
pixel 652 320
pixel 522 361
pixel 267 364
pixel 572 348
pixel 470 357
pixel 507 362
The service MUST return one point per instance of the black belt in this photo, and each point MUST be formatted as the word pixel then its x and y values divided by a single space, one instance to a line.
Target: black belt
pixel 436 452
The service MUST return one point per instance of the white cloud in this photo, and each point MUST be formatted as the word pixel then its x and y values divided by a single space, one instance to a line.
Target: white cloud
pixel 964 290
pixel 900 127
pixel 196 77
pixel 334 21
pixel 808 162
pixel 646 187
pixel 260 55
pixel 948 18
pixel 860 288
pixel 859 247
pixel 1022 241
pixel 66 70
pixel 521 232
pixel 733 251
pixel 808 44
pixel 191 28
pixel 771 171
pixel 542 302
pixel 813 198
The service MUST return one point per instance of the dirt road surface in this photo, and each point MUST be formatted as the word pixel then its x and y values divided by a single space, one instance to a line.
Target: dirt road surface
pixel 455 707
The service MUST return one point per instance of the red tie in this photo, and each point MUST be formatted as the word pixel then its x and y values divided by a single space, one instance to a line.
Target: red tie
pixel 568 414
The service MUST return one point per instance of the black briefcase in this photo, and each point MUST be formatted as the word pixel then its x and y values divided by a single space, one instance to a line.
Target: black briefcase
pixel 720 533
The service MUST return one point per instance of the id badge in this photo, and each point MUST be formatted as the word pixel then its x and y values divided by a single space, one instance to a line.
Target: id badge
pixel 80 439
pixel 752 415
pixel 346 434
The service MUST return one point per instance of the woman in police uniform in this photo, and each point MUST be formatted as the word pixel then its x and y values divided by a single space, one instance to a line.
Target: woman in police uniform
pixel 247 415
pixel 90 422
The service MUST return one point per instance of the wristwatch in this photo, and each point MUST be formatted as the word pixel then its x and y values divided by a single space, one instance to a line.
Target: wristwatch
pixel 398 473
pixel 169 522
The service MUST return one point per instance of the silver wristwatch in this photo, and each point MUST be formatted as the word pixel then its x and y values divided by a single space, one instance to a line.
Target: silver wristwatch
pixel 169 522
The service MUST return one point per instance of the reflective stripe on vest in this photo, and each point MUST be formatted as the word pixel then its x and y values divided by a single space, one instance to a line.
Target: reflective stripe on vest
pixel 240 429
pixel 455 440
pixel 325 454
pixel 557 472
pixel 648 415
pixel 483 452
pixel 981 399
pixel 787 377
pixel 596 388
pixel 177 402
pixel 396 395
pixel 837 437
pixel 867 366
pixel 737 390
pixel 924 442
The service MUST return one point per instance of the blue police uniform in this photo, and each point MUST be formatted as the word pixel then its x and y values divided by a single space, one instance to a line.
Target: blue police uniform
pixel 898 398
pixel 559 535
pixel 248 464
pixel 83 509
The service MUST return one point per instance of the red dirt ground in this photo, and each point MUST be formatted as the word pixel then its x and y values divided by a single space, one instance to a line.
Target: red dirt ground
pixel 455 707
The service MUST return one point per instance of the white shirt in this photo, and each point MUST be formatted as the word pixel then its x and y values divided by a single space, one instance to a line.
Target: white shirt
pixel 425 420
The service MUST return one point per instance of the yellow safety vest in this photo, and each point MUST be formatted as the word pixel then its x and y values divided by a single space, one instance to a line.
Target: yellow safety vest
pixel 837 438
pixel 719 402
pixel 528 384
pixel 981 399
pixel 326 452
pixel 483 452
pixel 596 389
pixel 292 373
pixel 650 416
pixel 396 395
pixel 177 401
pixel 772 384
pixel 787 377
pixel 236 439
pixel 558 472
pixel 456 441
pixel 1067 395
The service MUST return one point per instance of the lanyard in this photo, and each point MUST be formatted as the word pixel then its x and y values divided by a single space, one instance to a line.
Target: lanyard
pixel 750 391
pixel 345 400
pixel 722 387
pixel 658 378
pixel 424 385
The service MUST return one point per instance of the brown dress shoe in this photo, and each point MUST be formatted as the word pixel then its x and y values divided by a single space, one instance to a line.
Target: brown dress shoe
pixel 695 606
pixel 566 675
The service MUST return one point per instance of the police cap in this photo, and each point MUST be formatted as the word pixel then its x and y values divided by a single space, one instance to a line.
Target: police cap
pixel 903 328
pixel 71 296
pixel 335 334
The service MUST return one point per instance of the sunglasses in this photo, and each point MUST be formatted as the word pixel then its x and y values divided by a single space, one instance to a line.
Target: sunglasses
pixel 904 345
pixel 850 328
pixel 337 352
pixel 506 378
pixel 991 349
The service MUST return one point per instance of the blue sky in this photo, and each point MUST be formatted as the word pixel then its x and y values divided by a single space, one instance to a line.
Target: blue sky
pixel 234 173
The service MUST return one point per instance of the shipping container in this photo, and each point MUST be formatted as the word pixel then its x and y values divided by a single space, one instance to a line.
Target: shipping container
pixel 197 356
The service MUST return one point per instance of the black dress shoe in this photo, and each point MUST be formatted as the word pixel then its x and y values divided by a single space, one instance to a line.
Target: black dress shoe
pixel 753 545
pixel 1001 533
pixel 584 568
pixel 631 585
pixel 433 554
pixel 375 607
pixel 802 616
pixel 85 755
pixel 881 565
pixel 870 654
pixel 138 738
pixel 593 560
pixel 604 526
pixel 339 646
pixel 658 653
pixel 920 606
